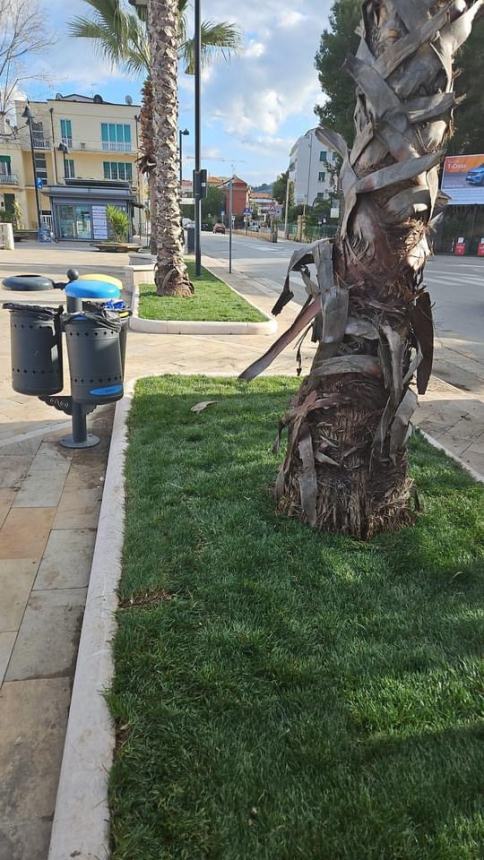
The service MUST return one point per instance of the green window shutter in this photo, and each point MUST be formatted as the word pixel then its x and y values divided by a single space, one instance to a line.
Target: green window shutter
pixel 107 169
pixel 104 132
pixel 121 170
pixel 127 134
pixel 129 172
pixel 114 170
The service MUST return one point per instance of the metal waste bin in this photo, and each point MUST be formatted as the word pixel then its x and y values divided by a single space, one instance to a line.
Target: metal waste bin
pixel 36 349
pixel 120 308
pixel 190 243
pixel 94 350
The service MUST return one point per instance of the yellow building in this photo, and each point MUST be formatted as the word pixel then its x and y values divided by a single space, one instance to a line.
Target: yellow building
pixel 85 152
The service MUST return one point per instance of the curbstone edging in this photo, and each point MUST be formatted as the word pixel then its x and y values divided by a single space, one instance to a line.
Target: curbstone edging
pixel 81 820
pixel 139 324
pixel 455 457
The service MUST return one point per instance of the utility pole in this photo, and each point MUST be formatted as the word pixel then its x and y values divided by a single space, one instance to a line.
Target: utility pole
pixel 286 212
pixel 231 206
pixel 28 116
pixel 197 184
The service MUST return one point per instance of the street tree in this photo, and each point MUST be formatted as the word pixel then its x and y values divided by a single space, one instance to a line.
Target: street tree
pixel 345 468
pixel 23 33
pixel 127 41
pixel 279 189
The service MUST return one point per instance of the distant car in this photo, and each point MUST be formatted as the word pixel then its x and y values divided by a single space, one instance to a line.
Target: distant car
pixel 476 175
pixel 219 228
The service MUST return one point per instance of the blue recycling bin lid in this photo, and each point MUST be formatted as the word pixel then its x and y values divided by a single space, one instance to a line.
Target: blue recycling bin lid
pixel 92 290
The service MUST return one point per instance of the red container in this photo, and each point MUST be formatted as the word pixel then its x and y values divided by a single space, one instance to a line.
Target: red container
pixel 460 247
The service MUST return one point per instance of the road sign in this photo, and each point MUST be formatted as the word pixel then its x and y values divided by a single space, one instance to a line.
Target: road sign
pixel 39 182
pixel 247 211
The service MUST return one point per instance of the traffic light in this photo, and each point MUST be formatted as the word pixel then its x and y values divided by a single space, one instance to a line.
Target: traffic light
pixel 200 184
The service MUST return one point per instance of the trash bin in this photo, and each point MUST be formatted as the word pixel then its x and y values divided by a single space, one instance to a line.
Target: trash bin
pixel 36 349
pixel 190 243
pixel 94 350
pixel 121 309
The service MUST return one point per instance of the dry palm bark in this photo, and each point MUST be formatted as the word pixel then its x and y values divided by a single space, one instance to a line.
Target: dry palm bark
pixel 346 465
pixel 171 274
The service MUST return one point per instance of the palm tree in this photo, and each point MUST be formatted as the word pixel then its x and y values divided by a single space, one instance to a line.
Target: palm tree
pixel 346 463
pixel 126 40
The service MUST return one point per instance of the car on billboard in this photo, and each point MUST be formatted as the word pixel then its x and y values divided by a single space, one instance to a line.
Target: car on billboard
pixel 476 175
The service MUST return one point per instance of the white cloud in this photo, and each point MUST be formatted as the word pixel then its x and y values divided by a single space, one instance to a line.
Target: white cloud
pixel 273 80
pixel 290 18
pixel 255 49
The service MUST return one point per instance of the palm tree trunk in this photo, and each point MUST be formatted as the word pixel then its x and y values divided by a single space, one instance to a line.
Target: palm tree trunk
pixel 171 274
pixel 346 464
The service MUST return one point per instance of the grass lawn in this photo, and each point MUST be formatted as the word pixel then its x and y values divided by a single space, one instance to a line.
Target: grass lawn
pixel 281 694
pixel 213 301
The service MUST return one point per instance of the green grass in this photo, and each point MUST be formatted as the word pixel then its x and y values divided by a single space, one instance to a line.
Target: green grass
pixel 281 694
pixel 213 301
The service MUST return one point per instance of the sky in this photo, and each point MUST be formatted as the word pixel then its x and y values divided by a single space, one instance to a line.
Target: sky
pixel 254 107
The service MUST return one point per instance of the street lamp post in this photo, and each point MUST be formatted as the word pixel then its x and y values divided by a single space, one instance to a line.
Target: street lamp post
pixel 231 206
pixel 29 117
pixel 286 212
pixel 181 135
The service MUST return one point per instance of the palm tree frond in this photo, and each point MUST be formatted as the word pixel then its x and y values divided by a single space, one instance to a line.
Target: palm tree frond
pixel 218 39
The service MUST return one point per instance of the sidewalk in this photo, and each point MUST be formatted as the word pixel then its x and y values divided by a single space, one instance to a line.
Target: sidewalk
pixel 49 503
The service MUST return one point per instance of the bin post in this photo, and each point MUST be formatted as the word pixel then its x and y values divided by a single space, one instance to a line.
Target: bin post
pixel 79 438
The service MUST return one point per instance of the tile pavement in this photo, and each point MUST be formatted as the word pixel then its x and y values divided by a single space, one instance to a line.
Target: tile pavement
pixel 49 504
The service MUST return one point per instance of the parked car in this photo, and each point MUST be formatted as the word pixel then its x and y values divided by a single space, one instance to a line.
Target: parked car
pixel 476 175
pixel 219 228
pixel 187 222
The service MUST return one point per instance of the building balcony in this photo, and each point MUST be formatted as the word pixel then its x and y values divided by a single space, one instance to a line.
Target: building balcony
pixel 8 179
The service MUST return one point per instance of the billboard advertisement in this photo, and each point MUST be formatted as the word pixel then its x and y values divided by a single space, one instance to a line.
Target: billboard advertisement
pixel 463 179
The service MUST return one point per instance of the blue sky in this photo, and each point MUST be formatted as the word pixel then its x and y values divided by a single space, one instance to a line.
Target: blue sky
pixel 254 107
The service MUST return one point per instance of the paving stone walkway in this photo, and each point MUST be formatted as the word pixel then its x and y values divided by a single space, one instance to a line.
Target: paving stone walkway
pixel 49 504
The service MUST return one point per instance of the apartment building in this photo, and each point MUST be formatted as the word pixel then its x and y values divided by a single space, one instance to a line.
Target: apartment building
pixel 96 165
pixel 312 168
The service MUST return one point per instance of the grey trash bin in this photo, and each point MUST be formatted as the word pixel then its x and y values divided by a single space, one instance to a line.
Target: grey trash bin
pixel 94 350
pixel 190 243
pixel 36 349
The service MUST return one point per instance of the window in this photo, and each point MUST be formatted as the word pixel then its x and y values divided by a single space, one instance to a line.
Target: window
pixel 321 177
pixel 116 137
pixel 323 155
pixel 66 132
pixel 118 170
pixel 38 138
pixel 41 167
pixel 5 168
pixel 69 169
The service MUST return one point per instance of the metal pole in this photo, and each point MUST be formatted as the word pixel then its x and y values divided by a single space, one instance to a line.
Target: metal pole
pixel 54 154
pixel 180 153
pixel 37 200
pixel 286 214
pixel 198 202
pixel 231 200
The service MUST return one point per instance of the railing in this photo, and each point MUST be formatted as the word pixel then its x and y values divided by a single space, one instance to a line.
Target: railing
pixel 115 146
pixel 48 221
pixel 40 141
pixel 8 179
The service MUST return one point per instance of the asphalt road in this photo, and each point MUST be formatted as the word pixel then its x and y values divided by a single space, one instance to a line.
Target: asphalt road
pixel 456 285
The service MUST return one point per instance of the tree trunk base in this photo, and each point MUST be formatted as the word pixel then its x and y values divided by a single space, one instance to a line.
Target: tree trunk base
pixel 333 478
pixel 173 282
pixel 359 508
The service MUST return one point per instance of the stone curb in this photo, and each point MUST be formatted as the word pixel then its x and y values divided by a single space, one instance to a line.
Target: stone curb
pixel 455 457
pixel 139 324
pixel 81 820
